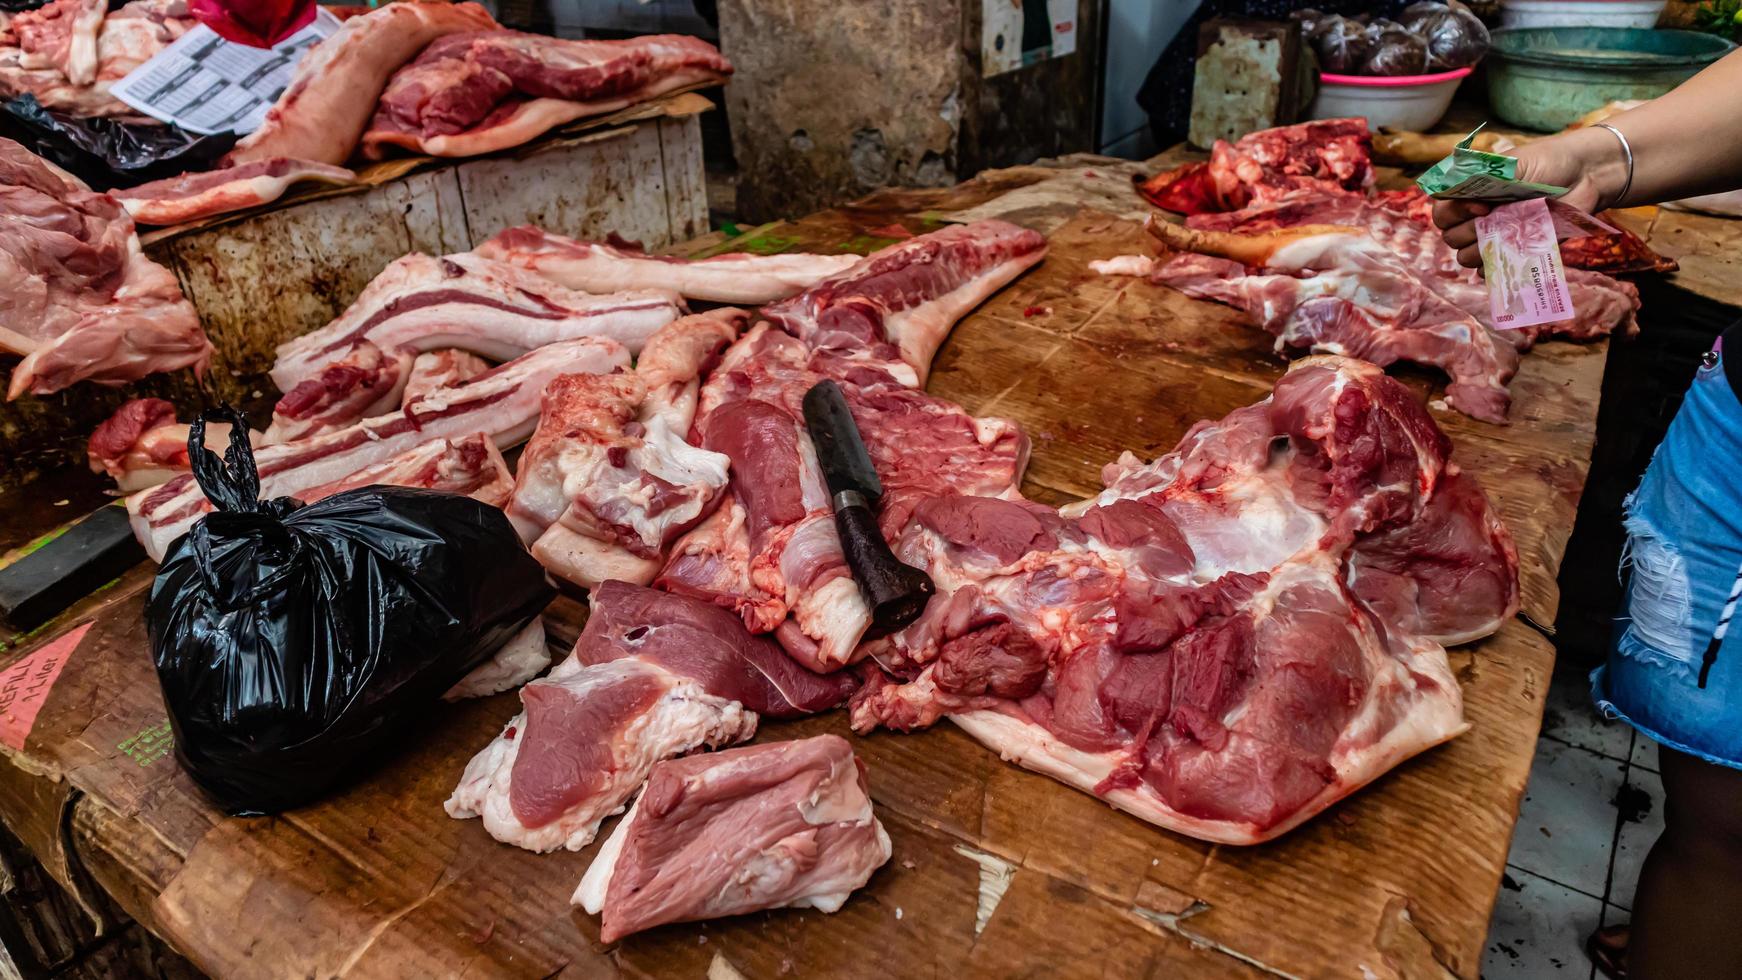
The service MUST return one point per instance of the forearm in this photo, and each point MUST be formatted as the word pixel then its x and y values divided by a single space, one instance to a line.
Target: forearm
pixel 1685 143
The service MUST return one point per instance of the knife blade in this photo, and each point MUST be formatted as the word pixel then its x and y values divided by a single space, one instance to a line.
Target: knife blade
pixel 896 592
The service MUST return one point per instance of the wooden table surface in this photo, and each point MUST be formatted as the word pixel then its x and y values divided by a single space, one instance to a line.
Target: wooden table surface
pixel 996 871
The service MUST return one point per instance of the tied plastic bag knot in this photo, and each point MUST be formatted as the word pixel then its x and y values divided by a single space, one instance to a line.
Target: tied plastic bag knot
pixel 297 645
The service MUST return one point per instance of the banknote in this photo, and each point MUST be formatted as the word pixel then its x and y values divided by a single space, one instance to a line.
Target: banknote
pixel 1469 174
pixel 1521 260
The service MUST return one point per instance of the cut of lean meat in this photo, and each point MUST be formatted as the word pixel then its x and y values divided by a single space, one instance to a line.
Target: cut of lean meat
pixel 608 480
pixel 595 267
pixel 190 197
pixel 652 676
pixel 501 404
pixel 322 114
pixel 476 93
pixel 783 824
pixel 1228 639
pixel 465 302
pixel 78 298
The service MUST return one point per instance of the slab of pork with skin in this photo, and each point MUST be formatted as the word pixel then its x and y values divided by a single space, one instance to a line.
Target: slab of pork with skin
pixel 771 552
pixel 494 89
pixel 363 384
pixel 595 267
pixel 1228 639
pixel 777 825
pixel 608 480
pixel 465 302
pixel 654 675
pixel 142 445
pixel 189 197
pixel 501 404
pixel 40 56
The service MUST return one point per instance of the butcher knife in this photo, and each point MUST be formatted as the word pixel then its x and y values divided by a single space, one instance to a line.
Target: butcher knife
pixel 896 592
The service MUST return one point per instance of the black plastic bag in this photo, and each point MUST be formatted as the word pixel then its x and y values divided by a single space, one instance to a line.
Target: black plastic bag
pixel 1456 37
pixel 107 153
pixel 1343 44
pixel 296 644
pixel 1395 51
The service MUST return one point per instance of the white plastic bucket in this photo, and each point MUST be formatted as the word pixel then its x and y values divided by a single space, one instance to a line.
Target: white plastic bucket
pixel 1581 13
pixel 1408 102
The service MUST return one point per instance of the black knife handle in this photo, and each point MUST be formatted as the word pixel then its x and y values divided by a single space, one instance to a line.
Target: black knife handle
pixel 896 592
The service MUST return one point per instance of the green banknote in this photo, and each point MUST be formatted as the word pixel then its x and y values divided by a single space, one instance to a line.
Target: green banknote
pixel 1470 174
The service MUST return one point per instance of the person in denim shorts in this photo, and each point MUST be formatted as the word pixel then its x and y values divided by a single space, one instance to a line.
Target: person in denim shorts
pixel 1674 670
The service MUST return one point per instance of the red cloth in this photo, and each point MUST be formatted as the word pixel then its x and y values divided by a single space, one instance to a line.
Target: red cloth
pixel 256 23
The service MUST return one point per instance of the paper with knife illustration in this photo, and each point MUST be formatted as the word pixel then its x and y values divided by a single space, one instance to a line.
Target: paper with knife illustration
pixel 1522 262
pixel 1469 174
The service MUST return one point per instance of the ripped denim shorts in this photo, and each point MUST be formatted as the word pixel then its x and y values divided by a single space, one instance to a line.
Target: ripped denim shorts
pixel 1675 667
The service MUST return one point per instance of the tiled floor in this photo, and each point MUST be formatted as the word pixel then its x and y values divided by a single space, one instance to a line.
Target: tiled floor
pixel 1592 810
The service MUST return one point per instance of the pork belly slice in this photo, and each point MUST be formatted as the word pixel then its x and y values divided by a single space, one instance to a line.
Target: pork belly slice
pixel 464 302
pixel 523 657
pixel 192 196
pixel 777 825
pixel 470 465
pixel 492 90
pixel 142 445
pixel 595 267
pixel 333 92
pixel 898 304
pixel 441 369
pixel 362 384
pixel 608 482
pixel 1229 638
pixel 501 404
pixel 652 676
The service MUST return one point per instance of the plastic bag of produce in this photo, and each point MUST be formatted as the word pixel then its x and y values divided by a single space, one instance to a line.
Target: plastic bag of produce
pixel 105 153
pixel 297 644
pixel 1343 45
pixel 1395 50
pixel 1456 37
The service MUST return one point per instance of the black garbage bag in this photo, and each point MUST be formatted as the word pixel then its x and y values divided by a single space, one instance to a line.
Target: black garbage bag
pixel 108 153
pixel 296 644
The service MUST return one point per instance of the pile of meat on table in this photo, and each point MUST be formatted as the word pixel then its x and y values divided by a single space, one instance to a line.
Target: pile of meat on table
pixel 1224 642
pixel 1285 225
pixel 67 53
pixel 426 77
pixel 79 301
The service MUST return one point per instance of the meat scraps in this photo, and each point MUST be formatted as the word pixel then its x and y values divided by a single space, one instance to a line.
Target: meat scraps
pixel 652 676
pixel 78 298
pixel 1228 639
pixel 1329 158
pixel 475 93
pixel 782 824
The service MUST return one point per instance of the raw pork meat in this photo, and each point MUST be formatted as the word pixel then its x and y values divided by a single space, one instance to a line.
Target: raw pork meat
pixel 201 195
pixel 142 445
pixel 1228 639
pixel 652 676
pixel 1334 154
pixel 595 267
pixel 78 298
pixel 62 36
pixel 501 404
pixel 363 384
pixel 327 105
pixel 442 369
pixel 471 465
pixel 128 37
pixel 778 825
pixel 466 302
pixel 771 552
pixel 608 480
pixel 477 93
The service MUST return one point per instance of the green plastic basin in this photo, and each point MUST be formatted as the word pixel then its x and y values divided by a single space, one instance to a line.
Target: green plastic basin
pixel 1546 77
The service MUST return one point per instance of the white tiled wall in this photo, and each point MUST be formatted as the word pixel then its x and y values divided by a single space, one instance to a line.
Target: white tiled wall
pixel 1137 32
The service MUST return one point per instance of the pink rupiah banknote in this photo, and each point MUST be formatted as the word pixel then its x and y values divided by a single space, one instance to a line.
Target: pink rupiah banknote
pixel 1526 283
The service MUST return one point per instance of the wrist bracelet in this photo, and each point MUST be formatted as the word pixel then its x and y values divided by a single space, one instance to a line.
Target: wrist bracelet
pixel 1626 148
